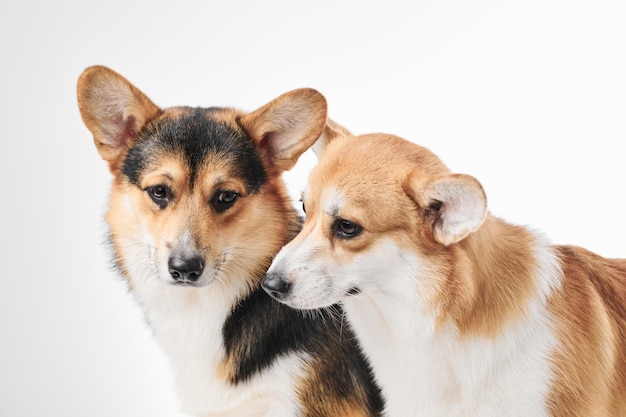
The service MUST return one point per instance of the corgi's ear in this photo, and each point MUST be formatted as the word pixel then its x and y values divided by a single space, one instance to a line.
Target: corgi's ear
pixel 332 131
pixel 113 110
pixel 453 205
pixel 287 126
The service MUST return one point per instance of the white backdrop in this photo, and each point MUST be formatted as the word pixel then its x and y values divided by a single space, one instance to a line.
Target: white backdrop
pixel 528 96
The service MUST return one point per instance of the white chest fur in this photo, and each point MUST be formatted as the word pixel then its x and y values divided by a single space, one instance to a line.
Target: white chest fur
pixel 439 375
pixel 429 371
pixel 188 325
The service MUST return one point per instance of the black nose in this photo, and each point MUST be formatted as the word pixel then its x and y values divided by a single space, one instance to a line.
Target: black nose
pixel 185 269
pixel 276 286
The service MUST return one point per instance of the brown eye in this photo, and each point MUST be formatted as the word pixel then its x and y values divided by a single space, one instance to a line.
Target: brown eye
pixel 223 200
pixel 346 229
pixel 160 194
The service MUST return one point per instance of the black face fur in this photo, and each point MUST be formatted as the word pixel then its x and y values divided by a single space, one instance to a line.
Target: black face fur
pixel 193 136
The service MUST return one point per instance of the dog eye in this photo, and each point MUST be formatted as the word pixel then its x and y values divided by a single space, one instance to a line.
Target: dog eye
pixel 223 200
pixel 346 229
pixel 160 194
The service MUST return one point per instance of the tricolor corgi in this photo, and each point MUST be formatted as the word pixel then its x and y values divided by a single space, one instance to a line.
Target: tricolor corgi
pixel 197 211
pixel 459 312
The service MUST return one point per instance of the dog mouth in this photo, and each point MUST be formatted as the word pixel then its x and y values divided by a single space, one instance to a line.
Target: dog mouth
pixel 191 284
pixel 186 283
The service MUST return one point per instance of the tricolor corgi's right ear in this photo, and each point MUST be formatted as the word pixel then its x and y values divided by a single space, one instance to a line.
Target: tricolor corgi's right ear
pixel 287 126
pixel 113 110
pixel 332 131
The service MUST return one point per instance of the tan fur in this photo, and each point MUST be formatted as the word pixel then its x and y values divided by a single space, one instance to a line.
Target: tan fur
pixel 393 214
pixel 191 212
pixel 591 324
pixel 327 403
pixel 485 268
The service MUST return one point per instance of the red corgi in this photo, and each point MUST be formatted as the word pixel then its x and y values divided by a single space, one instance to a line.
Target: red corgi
pixel 197 211
pixel 459 312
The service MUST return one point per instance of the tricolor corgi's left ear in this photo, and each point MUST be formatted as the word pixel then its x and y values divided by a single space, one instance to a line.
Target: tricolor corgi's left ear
pixel 287 126
pixel 454 205
pixel 114 110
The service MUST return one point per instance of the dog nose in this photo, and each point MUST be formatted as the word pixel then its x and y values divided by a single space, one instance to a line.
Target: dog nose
pixel 276 286
pixel 185 269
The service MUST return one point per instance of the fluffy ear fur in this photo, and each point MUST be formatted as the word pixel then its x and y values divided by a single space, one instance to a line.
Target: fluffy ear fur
pixel 454 205
pixel 332 130
pixel 113 110
pixel 287 126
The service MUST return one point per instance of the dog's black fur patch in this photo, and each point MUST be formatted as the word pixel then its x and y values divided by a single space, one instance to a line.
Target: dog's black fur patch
pixel 194 136
pixel 261 329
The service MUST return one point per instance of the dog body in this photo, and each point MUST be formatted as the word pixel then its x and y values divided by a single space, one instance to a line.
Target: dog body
pixel 197 211
pixel 459 312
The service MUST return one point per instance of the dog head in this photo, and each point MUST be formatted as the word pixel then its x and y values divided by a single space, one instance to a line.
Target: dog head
pixel 197 194
pixel 382 214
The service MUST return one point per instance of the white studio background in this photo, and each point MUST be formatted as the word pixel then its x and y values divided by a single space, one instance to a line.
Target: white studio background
pixel 528 96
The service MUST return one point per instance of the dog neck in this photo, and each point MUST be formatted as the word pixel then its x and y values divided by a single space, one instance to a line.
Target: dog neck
pixel 478 286
pixel 483 303
pixel 495 274
pixel 189 325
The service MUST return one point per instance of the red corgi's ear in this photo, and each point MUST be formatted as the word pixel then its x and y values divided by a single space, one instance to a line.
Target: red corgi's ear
pixel 332 131
pixel 113 110
pixel 287 126
pixel 454 205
